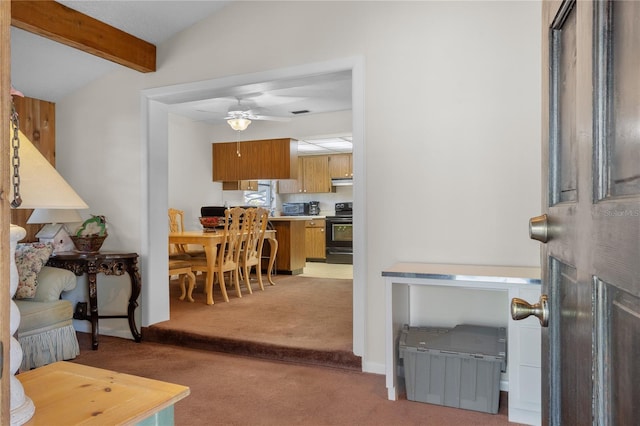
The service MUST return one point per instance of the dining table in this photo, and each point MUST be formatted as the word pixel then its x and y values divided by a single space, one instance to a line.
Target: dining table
pixel 210 240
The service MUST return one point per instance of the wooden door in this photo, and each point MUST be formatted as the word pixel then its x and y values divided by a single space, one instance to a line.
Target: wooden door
pixel 316 174
pixel 225 160
pixel 292 186
pixel 591 260
pixel 315 239
pixel 340 166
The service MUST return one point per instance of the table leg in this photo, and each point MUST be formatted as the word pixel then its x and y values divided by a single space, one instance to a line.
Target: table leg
pixel 397 314
pixel 273 245
pixel 211 251
pixel 93 304
pixel 136 286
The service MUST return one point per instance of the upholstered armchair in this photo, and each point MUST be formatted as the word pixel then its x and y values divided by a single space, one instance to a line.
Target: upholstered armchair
pixel 46 331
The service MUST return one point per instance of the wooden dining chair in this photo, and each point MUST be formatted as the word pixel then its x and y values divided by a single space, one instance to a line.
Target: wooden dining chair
pixel 252 248
pixel 180 251
pixel 182 268
pixel 227 259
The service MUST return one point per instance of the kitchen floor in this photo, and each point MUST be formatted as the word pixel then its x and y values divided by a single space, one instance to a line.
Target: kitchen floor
pixel 327 270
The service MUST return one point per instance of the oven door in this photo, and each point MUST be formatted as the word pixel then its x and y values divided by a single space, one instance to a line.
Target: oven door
pixel 339 239
pixel 339 231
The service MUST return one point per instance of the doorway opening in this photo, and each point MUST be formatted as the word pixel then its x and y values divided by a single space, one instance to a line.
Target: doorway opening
pixel 156 103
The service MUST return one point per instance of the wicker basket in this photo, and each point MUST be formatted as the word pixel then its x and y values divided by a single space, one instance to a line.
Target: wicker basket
pixel 90 244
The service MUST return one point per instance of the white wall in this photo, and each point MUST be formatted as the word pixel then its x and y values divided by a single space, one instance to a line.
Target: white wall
pixel 190 170
pixel 451 153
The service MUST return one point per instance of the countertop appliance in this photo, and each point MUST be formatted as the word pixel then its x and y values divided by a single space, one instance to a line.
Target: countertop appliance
pixel 314 208
pixel 339 234
pixel 295 209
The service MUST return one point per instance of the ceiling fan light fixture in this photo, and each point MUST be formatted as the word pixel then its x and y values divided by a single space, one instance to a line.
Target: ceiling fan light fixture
pixel 239 123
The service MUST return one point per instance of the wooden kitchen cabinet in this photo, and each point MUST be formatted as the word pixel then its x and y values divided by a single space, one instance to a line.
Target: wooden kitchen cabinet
pixel 293 186
pixel 316 174
pixel 240 185
pixel 341 166
pixel 290 257
pixel 313 176
pixel 251 160
pixel 315 241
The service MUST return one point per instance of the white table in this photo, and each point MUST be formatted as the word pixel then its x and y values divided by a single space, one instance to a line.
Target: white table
pixel 523 337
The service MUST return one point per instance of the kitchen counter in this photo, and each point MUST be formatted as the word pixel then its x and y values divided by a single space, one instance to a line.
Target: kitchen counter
pixel 291 234
pixel 294 218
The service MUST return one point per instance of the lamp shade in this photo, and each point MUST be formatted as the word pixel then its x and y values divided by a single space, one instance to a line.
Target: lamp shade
pixel 239 124
pixel 41 186
pixel 55 216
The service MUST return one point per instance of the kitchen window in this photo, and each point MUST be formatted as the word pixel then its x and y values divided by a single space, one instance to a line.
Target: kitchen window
pixel 263 197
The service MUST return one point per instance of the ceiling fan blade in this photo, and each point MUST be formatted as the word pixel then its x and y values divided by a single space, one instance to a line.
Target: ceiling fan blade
pixel 269 118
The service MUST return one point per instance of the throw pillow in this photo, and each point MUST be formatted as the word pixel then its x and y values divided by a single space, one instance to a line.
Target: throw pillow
pixel 30 258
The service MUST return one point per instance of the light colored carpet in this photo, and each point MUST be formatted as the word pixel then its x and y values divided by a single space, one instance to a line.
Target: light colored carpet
pixel 234 390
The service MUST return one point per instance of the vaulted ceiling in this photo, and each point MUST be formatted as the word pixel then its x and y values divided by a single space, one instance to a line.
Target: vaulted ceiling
pixel 52 57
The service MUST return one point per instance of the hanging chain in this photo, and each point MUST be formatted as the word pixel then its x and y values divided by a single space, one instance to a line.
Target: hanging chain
pixel 15 160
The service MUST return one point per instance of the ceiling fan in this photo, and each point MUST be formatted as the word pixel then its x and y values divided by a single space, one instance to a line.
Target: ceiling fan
pixel 240 114
pixel 239 117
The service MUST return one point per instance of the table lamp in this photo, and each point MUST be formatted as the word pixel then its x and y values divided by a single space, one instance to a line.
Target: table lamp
pixel 55 231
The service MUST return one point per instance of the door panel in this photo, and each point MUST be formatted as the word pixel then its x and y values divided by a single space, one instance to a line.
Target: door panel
pixel 591 149
pixel 624 95
pixel 623 371
pixel 564 48
pixel 571 331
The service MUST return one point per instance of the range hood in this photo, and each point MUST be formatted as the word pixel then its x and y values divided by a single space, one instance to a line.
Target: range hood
pixel 347 181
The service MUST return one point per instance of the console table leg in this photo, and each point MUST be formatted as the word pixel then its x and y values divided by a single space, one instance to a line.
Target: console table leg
pixel 134 275
pixel 93 309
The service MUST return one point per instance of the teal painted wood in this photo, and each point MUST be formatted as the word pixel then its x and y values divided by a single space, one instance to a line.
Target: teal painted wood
pixel 161 418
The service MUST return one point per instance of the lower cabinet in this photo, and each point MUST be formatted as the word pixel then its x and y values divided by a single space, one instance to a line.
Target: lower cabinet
pixel 315 241
pixel 291 246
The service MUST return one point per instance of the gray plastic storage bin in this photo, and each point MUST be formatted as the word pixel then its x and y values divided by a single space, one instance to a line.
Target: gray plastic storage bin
pixel 458 367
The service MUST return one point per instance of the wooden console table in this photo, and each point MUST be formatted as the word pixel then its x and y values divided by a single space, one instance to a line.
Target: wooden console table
pixel 107 263
pixel 73 394
pixel 523 337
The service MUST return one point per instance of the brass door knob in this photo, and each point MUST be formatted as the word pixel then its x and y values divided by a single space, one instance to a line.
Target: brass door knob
pixel 539 228
pixel 521 309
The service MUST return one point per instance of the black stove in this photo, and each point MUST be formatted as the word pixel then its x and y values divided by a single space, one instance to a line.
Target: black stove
pixel 339 234
pixel 344 209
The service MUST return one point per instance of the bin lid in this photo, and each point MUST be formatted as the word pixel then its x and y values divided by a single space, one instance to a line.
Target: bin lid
pixel 419 337
pixel 473 340
pixel 463 339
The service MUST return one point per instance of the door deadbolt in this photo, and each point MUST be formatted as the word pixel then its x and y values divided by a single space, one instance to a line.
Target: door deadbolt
pixel 521 309
pixel 539 228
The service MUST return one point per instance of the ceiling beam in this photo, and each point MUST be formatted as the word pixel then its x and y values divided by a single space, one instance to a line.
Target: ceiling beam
pixel 59 23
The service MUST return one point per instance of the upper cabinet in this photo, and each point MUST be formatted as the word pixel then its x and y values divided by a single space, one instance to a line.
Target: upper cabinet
pixel 340 166
pixel 315 173
pixel 240 185
pixel 293 186
pixel 252 160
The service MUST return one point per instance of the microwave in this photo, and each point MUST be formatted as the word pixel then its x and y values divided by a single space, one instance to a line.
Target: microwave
pixel 295 209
